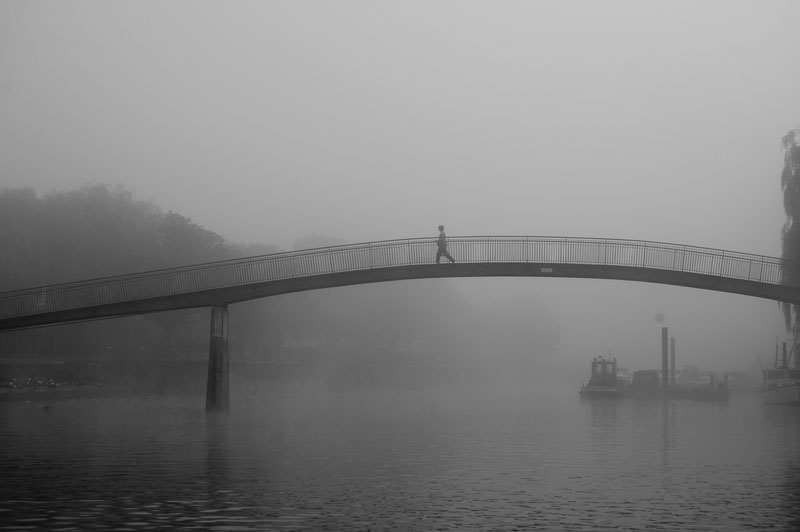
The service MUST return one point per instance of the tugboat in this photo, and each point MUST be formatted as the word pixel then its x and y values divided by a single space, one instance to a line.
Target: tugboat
pixel 605 382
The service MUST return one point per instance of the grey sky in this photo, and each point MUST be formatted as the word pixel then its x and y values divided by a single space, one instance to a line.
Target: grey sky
pixel 268 121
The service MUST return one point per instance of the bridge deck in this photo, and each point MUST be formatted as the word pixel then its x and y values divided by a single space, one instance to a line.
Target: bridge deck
pixel 221 283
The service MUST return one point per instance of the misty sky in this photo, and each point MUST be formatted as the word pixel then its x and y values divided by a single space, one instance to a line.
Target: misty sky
pixel 269 121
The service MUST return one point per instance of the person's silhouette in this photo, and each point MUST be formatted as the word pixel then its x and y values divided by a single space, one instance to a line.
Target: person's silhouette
pixel 442 247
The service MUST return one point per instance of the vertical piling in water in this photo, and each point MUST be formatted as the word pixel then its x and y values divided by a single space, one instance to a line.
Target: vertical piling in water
pixel 664 359
pixel 794 356
pixel 217 389
pixel 672 361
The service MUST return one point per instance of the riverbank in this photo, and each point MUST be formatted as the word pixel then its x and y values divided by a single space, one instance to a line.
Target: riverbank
pixel 64 393
pixel 160 377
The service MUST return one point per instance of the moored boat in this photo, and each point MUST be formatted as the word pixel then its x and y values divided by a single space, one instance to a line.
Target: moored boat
pixel 781 385
pixel 646 384
pixel 606 380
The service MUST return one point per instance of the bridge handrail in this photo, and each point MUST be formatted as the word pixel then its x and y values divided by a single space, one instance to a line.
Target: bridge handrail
pixel 393 253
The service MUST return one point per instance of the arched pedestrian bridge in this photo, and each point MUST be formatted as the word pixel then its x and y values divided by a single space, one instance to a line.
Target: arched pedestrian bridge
pixel 219 284
pixel 232 281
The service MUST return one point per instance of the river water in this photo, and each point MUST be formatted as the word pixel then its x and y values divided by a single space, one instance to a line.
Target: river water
pixel 445 459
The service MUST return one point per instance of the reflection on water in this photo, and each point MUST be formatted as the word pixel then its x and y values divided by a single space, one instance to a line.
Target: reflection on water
pixel 791 494
pixel 409 460
pixel 217 451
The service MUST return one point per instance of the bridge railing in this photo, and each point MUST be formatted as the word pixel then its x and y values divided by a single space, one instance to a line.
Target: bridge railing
pixel 396 253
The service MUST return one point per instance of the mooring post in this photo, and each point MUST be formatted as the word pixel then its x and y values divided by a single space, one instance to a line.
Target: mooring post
pixel 664 358
pixel 217 390
pixel 672 361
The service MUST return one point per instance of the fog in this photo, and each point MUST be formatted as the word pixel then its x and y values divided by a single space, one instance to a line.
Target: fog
pixel 269 122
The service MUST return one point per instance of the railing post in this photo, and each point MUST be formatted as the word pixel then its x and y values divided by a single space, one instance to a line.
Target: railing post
pixel 526 248
pixel 217 389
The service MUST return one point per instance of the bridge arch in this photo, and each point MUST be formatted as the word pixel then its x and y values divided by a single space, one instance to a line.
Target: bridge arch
pixel 219 284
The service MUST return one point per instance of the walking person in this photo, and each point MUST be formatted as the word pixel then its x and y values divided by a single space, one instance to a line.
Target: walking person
pixel 442 247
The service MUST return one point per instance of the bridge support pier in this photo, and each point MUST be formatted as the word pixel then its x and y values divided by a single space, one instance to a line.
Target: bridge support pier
pixel 218 388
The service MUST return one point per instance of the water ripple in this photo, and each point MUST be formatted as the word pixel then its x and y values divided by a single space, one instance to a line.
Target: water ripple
pixel 382 462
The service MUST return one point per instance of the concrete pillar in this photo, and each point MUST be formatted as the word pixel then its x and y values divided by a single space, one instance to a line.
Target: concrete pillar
pixel 664 359
pixel 218 389
pixel 672 361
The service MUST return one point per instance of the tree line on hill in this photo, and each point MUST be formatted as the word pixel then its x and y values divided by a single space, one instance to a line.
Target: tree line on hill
pixel 96 231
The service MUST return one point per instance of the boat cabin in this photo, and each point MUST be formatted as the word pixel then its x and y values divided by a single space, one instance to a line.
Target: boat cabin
pixel 604 372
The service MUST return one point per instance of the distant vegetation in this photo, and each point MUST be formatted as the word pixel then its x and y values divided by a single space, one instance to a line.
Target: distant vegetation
pixel 95 231
pixel 98 230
